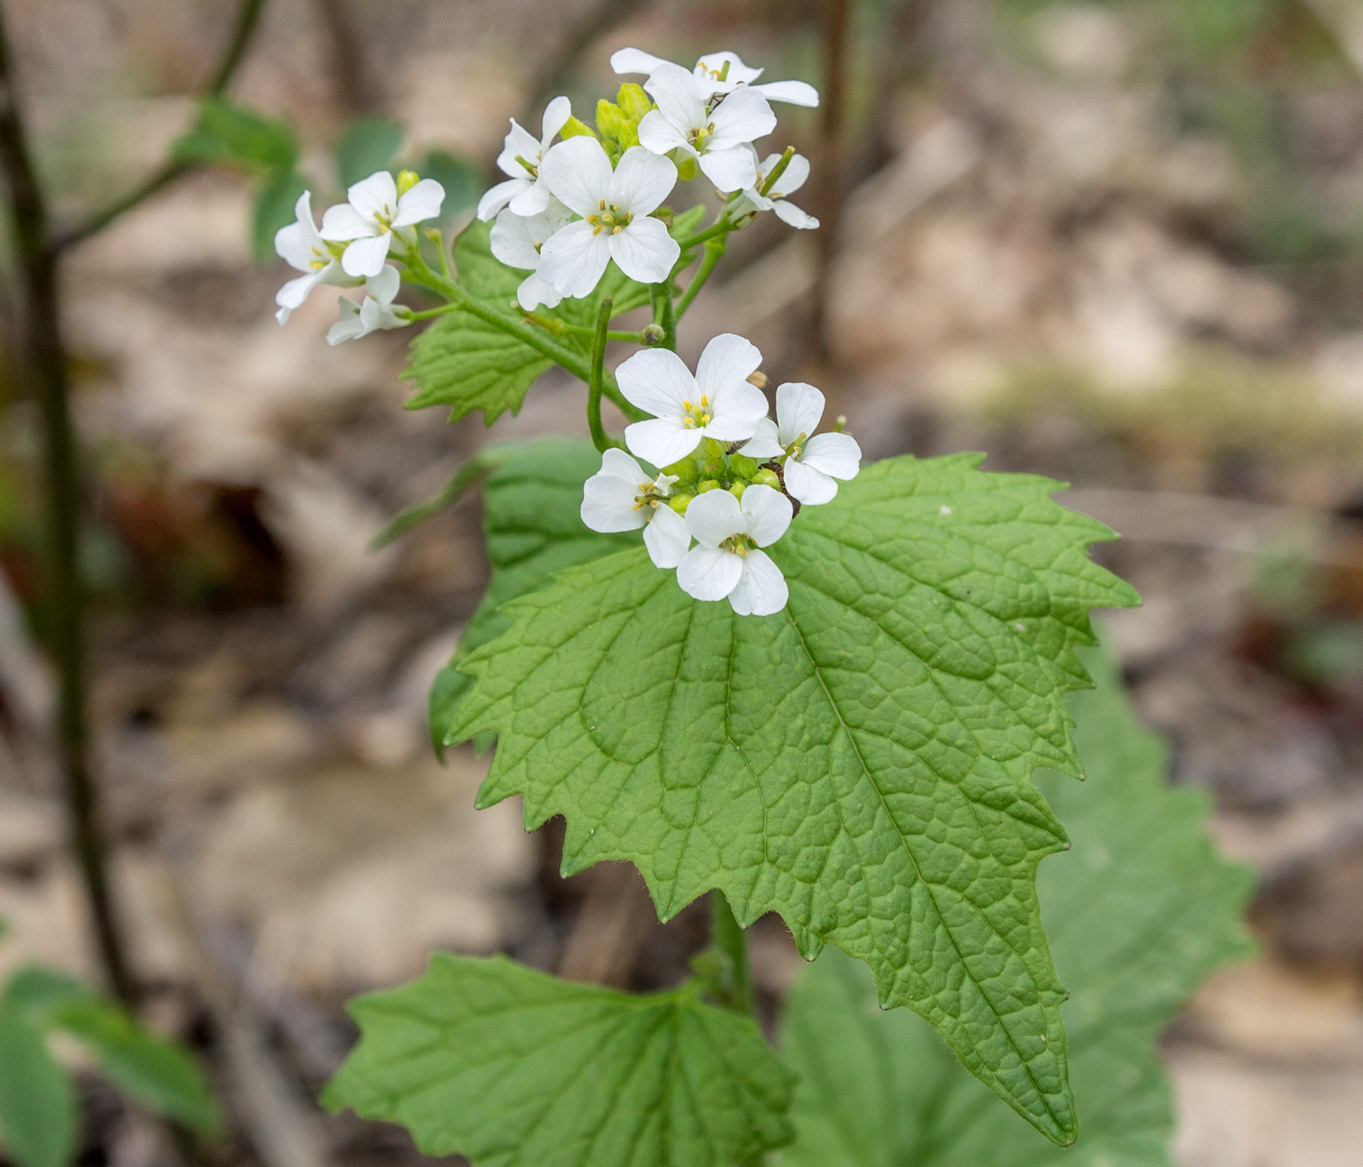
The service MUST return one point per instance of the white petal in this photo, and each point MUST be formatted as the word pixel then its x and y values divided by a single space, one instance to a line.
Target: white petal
pixel 792 178
pixel 556 115
pixel 766 514
pixel 384 286
pixel 728 359
pixel 793 216
pixel 658 382
pixel 666 537
pixel 764 444
pixel 708 573
pixel 608 502
pixel 715 515
pixel 349 327
pixel 738 74
pixel 730 170
pixel 618 464
pixel 420 203
pixel 798 410
pixel 578 173
pixel 364 257
pixel 761 589
pixel 660 440
pixel 574 260
pixel 641 181
pixel 658 134
pixel 292 294
pixel 375 195
pixel 519 143
pixel 737 410
pixel 533 199
pixel 835 454
pixel 513 242
pixel 644 250
pixel 343 222
pixel 501 194
pixel 811 487
pixel 680 97
pixel 634 61
pixel 743 116
pixel 791 92
pixel 290 245
pixel 536 290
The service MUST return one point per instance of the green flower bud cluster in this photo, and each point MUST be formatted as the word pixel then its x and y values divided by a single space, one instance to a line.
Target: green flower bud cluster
pixel 712 468
pixel 618 121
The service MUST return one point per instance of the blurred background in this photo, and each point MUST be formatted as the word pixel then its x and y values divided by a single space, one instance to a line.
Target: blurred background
pixel 1119 243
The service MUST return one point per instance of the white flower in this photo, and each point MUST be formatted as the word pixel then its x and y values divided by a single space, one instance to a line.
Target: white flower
pixel 521 155
pixel 615 207
pixel 711 70
pixel 371 216
pixel 306 251
pixel 728 562
pixel 517 241
pixel 620 497
pixel 718 402
pixel 813 462
pixel 787 183
pixel 377 311
pixel 719 138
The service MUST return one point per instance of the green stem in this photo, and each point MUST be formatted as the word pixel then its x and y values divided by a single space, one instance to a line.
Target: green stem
pixel 663 314
pixel 601 439
pixel 45 367
pixel 714 250
pixel 776 171
pixel 731 942
pixel 722 227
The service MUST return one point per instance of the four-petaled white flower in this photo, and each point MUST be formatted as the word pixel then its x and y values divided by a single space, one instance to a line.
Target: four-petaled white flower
pixel 621 497
pixel 814 461
pixel 377 311
pixel 722 73
pixel 518 240
pixel 719 138
pixel 374 211
pixel 525 191
pixel 615 207
pixel 727 561
pixel 718 402
pixel 306 251
pixel 776 199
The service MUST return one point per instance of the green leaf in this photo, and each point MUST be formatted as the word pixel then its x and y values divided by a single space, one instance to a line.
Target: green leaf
pixel 506 1065
pixel 534 529
pixel 468 364
pixel 367 145
pixel 860 763
pixel 1138 912
pixel 37 1104
pixel 274 208
pixel 462 180
pixel 227 134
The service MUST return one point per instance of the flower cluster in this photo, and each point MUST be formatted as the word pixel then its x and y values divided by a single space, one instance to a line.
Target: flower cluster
pixel 732 477
pixel 567 208
pixel 357 237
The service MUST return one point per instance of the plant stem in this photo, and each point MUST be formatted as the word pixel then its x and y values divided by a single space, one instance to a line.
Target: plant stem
pixel 44 359
pixel 722 227
pixel 248 16
pixel 664 315
pixel 714 251
pixel 599 436
pixel 727 938
pixel 776 171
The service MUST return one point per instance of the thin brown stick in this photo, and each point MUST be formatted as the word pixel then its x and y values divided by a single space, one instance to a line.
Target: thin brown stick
pixel 350 78
pixel 829 186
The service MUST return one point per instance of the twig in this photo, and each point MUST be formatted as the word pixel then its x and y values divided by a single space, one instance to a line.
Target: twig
pixel 349 75
pixel 248 16
pixel 828 189
pixel 548 77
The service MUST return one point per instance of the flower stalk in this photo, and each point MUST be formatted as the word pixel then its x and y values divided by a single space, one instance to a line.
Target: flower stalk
pixel 600 438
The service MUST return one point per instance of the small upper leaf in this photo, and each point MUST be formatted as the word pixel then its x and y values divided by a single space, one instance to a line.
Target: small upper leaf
pixel 37 1104
pixel 227 134
pixel 860 763
pixel 513 1068
pixel 1137 913
pixel 367 145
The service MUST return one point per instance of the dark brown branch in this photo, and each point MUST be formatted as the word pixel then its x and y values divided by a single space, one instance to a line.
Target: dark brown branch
pixel 828 180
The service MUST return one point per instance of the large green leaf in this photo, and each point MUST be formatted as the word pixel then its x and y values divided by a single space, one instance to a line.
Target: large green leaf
pixel 228 134
pixel 1137 913
pixel 37 1103
pixel 860 762
pixel 534 529
pixel 469 364
pixel 513 1068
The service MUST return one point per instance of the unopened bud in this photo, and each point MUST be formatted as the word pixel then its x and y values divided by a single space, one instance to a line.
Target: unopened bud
pixel 840 423
pixel 758 378
pixel 742 466
pixel 680 502
pixel 707 485
pixel 684 471
pixel 653 335
pixel 767 477
pixel 406 180
pixel 634 101
pixel 737 489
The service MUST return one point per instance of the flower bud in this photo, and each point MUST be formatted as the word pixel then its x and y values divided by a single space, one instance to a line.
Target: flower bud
pixel 737 489
pixel 679 502
pixel 765 477
pixel 634 101
pixel 715 468
pixel 684 472
pixel 406 180
pixel 653 335
pixel 686 165
pixel 707 485
pixel 742 466
pixel 574 128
